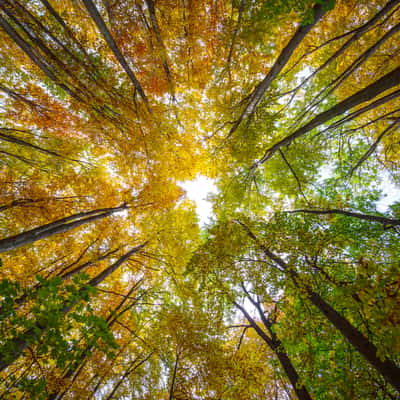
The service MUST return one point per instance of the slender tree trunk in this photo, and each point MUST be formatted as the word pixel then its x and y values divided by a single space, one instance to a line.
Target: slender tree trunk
pixel 90 6
pixel 130 369
pixel 319 11
pixel 34 334
pixel 35 57
pixel 365 217
pixel 69 32
pixel 387 368
pixel 362 110
pixel 60 226
pixel 356 34
pixel 385 83
pixel 387 131
pixel 20 97
pixel 13 139
pixel 173 381
pixel 164 57
pixel 276 346
pixel 356 64
pixel 74 369
pixel 21 300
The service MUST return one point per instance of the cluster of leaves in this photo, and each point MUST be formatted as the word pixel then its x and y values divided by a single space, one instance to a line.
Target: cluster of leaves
pixel 49 299
pixel 110 287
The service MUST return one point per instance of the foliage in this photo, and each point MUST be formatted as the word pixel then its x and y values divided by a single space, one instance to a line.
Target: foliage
pixel 107 107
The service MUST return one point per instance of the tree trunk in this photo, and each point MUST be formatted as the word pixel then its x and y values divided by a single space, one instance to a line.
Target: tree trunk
pixel 164 57
pixel 276 346
pixel 366 217
pixel 35 57
pixel 387 368
pixel 74 369
pixel 90 6
pixel 130 369
pixel 34 334
pixel 67 275
pixel 60 226
pixel 356 34
pixel 255 97
pixel 385 83
pixel 13 139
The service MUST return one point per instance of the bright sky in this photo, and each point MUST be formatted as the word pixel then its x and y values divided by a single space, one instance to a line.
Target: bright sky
pixel 198 190
pixel 391 194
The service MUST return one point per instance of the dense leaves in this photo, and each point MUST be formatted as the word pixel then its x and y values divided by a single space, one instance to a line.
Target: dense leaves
pixel 111 287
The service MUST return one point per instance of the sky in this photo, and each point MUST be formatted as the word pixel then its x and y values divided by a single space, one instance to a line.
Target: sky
pixel 198 190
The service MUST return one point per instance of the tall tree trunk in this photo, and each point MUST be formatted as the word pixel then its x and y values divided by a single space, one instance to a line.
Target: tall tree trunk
pixel 173 381
pixel 381 85
pixel 338 81
pixel 90 6
pixel 365 217
pixel 34 334
pixel 387 368
pixel 276 346
pixel 133 366
pixel 164 56
pixel 21 300
pixel 319 11
pixel 374 104
pixel 20 97
pixel 76 366
pixel 355 35
pixel 60 226
pixel 35 57
pixel 16 140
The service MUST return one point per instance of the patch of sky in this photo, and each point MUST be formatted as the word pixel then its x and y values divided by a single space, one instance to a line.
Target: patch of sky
pixel 390 192
pixel 199 190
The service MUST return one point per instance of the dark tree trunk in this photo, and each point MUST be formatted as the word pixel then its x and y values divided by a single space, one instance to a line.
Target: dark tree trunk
pixel 90 6
pixel 275 345
pixel 74 369
pixel 366 217
pixel 35 57
pixel 387 368
pixel 255 97
pixel 53 228
pixel 388 81
pixel 157 31
pixel 34 334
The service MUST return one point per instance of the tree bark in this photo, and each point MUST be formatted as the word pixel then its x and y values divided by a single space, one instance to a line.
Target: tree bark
pixel 60 226
pixel 15 140
pixel 276 346
pixel 93 12
pixel 74 369
pixel 356 34
pixel 130 369
pixel 385 83
pixel 362 110
pixel 259 91
pixel 35 57
pixel 387 368
pixel 366 217
pixel 21 300
pixel 173 381
pixel 34 334
pixel 164 57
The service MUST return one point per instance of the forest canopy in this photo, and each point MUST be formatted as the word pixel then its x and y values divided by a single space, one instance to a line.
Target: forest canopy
pixel 111 287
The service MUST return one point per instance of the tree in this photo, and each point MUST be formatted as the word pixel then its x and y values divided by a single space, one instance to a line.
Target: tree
pixel 110 285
